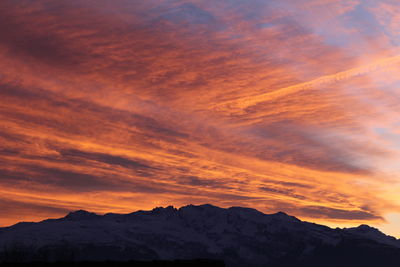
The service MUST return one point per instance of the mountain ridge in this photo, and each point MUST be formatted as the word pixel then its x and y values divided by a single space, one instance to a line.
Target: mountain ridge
pixel 239 236
pixel 80 214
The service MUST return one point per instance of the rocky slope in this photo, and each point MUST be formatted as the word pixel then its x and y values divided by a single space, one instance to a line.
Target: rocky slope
pixel 239 236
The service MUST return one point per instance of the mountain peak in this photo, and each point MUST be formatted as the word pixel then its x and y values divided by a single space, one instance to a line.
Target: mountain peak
pixel 202 206
pixel 369 232
pixel 81 215
pixel 192 232
pixel 208 206
pixel 366 227
pixel 280 213
pixel 161 211
pixel 284 216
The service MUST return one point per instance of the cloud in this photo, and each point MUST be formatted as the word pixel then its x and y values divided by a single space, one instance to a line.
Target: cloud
pixel 340 214
pixel 287 192
pixel 18 211
pixel 111 106
pixel 105 158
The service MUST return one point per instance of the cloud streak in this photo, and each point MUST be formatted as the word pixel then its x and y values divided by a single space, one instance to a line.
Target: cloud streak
pixel 124 105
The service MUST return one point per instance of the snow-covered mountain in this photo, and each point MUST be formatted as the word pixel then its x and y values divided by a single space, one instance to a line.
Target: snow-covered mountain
pixel 239 236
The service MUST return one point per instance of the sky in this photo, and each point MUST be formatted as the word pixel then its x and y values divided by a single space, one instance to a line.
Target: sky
pixel 116 106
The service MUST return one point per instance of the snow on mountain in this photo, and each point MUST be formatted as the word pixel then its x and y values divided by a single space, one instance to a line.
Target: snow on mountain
pixel 239 236
pixel 372 233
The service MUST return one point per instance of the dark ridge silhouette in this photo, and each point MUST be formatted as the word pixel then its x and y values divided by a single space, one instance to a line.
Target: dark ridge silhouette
pixel 235 237
pixel 159 263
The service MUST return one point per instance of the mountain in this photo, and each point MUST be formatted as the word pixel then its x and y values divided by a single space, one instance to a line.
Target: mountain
pixel 238 236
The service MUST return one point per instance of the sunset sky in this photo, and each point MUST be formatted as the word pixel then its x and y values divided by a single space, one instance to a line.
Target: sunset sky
pixel 115 106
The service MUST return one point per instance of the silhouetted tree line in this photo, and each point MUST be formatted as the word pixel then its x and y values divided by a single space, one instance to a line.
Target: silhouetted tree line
pixel 19 255
pixel 158 263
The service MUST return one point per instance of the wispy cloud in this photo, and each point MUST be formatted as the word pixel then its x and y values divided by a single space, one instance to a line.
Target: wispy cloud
pixel 124 105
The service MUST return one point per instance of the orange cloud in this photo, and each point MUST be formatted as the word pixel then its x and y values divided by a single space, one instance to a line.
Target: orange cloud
pixel 113 107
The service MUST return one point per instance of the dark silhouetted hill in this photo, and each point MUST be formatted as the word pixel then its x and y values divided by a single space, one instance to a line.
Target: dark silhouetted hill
pixel 236 236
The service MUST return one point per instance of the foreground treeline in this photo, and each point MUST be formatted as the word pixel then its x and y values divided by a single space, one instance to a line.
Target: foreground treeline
pixel 348 253
pixel 158 263
pixel 22 255
pixel 19 255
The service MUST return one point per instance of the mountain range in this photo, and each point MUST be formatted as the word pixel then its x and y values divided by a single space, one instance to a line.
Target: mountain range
pixel 238 236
